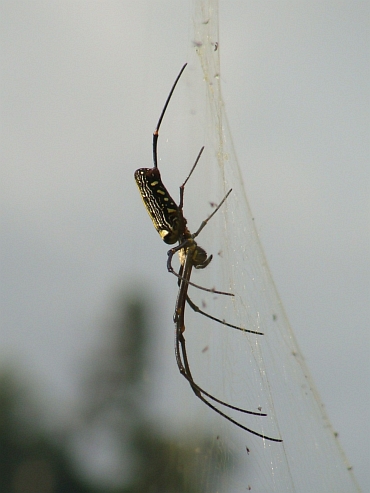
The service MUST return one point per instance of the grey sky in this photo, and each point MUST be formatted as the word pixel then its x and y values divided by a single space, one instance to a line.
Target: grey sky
pixel 82 84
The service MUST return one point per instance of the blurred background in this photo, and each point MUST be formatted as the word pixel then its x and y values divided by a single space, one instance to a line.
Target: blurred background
pixel 86 299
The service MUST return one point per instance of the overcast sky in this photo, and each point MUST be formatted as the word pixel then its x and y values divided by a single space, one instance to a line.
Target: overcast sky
pixel 81 87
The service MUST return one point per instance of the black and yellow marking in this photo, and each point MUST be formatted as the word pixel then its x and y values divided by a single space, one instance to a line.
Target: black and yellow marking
pixel 167 217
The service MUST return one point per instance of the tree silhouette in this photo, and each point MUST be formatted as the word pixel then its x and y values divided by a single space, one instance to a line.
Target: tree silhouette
pixel 117 397
pixel 31 460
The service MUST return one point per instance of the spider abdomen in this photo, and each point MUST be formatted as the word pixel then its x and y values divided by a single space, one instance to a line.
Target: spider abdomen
pixel 162 209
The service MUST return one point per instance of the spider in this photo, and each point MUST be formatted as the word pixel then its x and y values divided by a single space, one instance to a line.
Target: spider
pixel 169 221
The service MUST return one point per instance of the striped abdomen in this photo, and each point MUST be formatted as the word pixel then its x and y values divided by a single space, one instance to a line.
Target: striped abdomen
pixel 163 211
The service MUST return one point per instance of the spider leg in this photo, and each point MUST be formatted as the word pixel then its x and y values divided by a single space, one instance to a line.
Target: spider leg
pixel 200 393
pixel 170 269
pixel 183 363
pixel 271 439
pixel 156 131
pixel 189 242
pixel 185 182
pixel 198 310
pixel 185 371
pixel 204 223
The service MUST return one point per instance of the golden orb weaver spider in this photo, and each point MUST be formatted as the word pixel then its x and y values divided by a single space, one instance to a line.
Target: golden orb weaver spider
pixel 169 221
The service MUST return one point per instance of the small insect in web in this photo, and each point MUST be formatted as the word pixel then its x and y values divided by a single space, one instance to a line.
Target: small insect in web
pixel 169 221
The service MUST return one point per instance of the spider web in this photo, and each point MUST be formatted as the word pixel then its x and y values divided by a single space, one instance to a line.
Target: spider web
pixel 249 371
